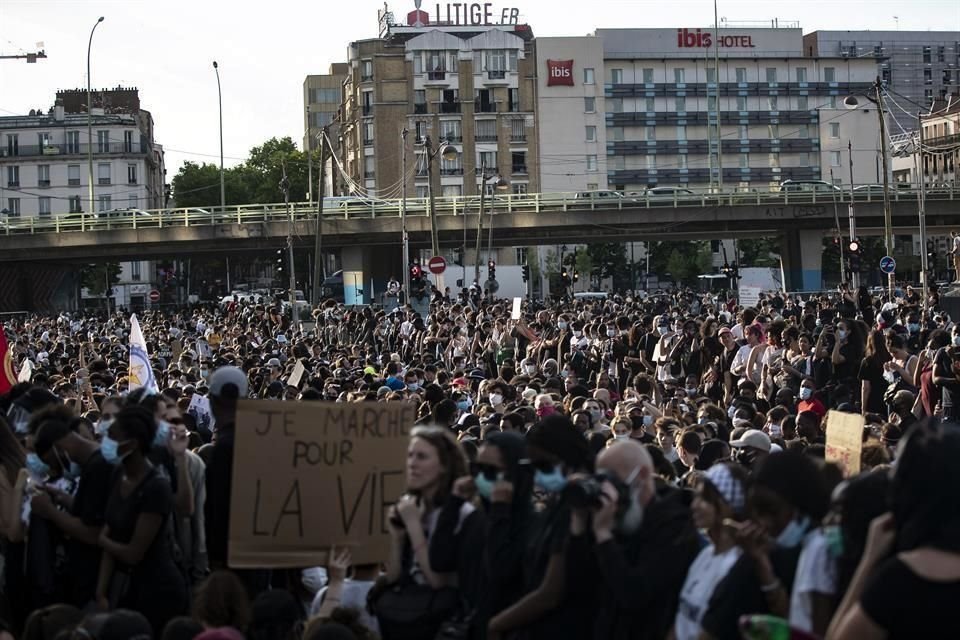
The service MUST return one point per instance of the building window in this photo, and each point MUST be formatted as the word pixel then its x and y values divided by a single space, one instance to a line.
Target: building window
pixel 744 131
pixel 771 75
pixel 43 140
pixel 13 207
pixel 615 105
pixel 513 100
pixel 366 70
pixel 104 203
pixel 496 60
pixel 803 131
pixel 519 188
pixel 680 105
pixel 834 158
pixel 133 201
pixel 103 141
pixel 926 54
pixel 369 166
pixel 651 133
pixel 615 134
pixel 128 141
pixel 679 76
pixel 744 160
pixel 773 131
pixel 43 175
pixel 520 255
pixel 801 74
pixel 591 163
pixel 616 76
pixel 589 105
pixel 518 130
pixel 741 103
pixel 591 133
pixel 73 175
pixel 711 74
pixel 422 191
pixel 13 144
pixel 741 75
pixel 772 103
pixel 331 96
pixel 592 186
pixel 518 162
pixel 322 118
pixel 834 130
pixel 803 103
pixel 829 74
pixel 368 132
pixel 587 75
pixel 420 101
pixel 487 159
pixel 75 204
pixel 135 272
pixel 131 174
pixel 650 104
pixel 648 76
pixel 941 54
pixel 449 131
pixel 486 131
pixel 13 176
pixel 366 103
pixel 103 173
pixel 681 132
pixel 619 162
pixel 928 95
pixel 928 76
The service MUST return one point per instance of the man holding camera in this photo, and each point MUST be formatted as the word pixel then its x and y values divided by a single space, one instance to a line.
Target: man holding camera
pixel 639 535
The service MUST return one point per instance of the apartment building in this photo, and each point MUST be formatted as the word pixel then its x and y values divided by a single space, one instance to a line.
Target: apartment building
pixel 921 66
pixel 322 96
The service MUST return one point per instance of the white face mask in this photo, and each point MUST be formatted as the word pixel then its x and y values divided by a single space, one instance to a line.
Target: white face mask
pixel 956 341
pixel 531 369
pixel 578 334
pixel 611 333
pixel 495 399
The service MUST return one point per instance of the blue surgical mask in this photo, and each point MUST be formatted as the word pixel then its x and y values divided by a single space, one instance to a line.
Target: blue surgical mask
pixel 484 486
pixel 647 421
pixel 552 482
pixel 806 393
pixel 463 405
pixel 834 535
pixel 691 392
pixel 913 327
pixel 562 325
pixel 110 450
pixel 842 334
pixel 37 467
pixel 103 426
pixel 163 434
pixel 792 535
pixel 413 386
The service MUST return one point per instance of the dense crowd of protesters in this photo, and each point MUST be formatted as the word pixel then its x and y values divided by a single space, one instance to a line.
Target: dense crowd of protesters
pixel 636 467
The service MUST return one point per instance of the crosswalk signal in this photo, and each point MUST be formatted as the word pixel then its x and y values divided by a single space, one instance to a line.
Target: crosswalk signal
pixel 526 272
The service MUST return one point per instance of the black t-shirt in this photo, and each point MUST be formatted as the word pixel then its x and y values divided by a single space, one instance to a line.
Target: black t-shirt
pixel 906 605
pixel 153 495
pixel 872 372
pixel 90 505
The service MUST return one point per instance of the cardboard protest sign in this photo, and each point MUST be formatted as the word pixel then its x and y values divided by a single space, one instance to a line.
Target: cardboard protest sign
pixel 296 375
pixel 515 313
pixel 310 475
pixel 845 441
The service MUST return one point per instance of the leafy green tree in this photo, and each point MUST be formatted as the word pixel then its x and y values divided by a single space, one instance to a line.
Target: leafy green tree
pixel 608 260
pixel 684 260
pixel 759 252
pixel 198 185
pixel 265 167
pixel 99 278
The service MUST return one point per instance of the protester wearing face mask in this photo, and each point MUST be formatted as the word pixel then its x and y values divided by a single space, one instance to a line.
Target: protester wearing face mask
pixel 620 428
pixel 643 540
pixel 80 516
pixel 809 401
pixel 496 398
pixel 137 568
pixel 554 604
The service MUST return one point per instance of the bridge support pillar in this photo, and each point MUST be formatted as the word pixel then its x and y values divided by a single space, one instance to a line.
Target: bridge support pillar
pixel 366 272
pixel 802 259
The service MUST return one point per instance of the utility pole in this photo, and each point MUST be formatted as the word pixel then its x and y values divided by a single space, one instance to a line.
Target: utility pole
pixel 854 277
pixel 285 188
pixel 483 194
pixel 887 214
pixel 318 238
pixel 434 241
pixel 836 217
pixel 403 216
pixel 716 53
pixel 922 214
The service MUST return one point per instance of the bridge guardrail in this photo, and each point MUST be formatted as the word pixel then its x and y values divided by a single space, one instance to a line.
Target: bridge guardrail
pixel 357 208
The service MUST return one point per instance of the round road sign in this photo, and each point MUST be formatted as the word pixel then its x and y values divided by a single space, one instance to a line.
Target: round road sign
pixel 437 265
pixel 154 296
pixel 887 264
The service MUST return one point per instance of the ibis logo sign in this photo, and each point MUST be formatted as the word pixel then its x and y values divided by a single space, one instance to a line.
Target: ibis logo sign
pixel 559 73
pixel 695 38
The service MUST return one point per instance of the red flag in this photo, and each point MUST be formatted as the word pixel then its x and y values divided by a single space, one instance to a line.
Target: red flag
pixel 7 377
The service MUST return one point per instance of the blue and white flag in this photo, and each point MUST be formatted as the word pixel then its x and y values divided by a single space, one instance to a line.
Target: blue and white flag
pixel 140 373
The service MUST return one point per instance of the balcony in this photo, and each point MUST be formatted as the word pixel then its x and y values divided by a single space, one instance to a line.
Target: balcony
pixel 369 174
pixel 420 108
pixel 452 137
pixel 519 169
pixel 28 150
pixel 103 181
pixel 43 183
pixel 436 75
pixel 518 137
pixel 13 183
pixel 450 107
pixel 496 75
pixel 367 77
pixel 455 171
pixel 73 182
pixel 484 107
pixel 485 137
pixel 131 181
pixel 367 142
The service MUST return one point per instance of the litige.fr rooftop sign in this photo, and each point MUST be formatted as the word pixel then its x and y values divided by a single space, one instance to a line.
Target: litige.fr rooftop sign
pixel 467 14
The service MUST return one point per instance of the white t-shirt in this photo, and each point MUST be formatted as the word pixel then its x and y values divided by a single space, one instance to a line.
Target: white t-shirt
pixel 816 573
pixel 704 574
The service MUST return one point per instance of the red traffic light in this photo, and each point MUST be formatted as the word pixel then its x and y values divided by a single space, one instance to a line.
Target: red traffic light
pixel 854 246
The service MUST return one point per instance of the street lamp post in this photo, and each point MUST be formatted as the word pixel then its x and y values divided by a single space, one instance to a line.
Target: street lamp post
pixel 403 216
pixel 448 152
pixel 223 197
pixel 90 120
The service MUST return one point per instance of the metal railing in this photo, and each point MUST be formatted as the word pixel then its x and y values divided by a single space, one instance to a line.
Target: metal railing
pixel 350 208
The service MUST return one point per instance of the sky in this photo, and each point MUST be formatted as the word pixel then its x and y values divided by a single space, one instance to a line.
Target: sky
pixel 265 50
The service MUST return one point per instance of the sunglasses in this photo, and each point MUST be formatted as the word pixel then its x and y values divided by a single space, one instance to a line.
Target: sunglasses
pixel 488 471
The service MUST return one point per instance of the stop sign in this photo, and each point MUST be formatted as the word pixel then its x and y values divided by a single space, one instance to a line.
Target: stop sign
pixel 154 296
pixel 437 265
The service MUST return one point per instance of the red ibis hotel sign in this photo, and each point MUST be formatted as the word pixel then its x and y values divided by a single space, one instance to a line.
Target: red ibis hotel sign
pixel 559 73
pixel 695 38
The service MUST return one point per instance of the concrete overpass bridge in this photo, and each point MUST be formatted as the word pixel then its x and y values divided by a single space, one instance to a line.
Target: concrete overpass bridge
pixel 367 233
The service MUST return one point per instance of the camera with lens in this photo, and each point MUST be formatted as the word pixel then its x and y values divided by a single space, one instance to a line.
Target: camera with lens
pixel 587 492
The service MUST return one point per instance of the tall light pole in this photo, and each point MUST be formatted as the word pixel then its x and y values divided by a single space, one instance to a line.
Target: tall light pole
pixel 403 216
pixel 90 120
pixel 449 153
pixel 223 197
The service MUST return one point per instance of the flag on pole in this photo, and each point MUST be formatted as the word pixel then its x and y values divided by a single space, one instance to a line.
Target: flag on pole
pixel 7 377
pixel 26 371
pixel 140 373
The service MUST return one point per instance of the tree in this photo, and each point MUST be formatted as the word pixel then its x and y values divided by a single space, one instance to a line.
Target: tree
pixel 683 260
pixel 99 279
pixel 198 185
pixel 265 166
pixel 759 252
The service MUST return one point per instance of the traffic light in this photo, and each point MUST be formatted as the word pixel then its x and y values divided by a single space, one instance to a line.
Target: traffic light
pixel 855 253
pixel 279 261
pixel 491 270
pixel 458 256
pixel 526 272
pixel 565 277
pixel 576 276
pixel 416 279
pixel 931 256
